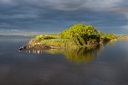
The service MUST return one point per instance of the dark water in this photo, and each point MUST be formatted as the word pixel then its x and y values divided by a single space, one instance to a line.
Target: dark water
pixel 105 65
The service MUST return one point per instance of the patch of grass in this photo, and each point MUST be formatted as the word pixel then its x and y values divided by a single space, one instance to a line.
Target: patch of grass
pixel 45 37
pixel 60 43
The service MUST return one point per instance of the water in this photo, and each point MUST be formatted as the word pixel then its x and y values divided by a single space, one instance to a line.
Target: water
pixel 105 65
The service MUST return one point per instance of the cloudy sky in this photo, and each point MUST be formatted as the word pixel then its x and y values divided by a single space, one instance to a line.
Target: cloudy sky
pixel 54 16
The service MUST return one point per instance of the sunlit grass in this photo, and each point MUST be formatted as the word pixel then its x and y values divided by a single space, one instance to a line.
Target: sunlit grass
pixel 60 43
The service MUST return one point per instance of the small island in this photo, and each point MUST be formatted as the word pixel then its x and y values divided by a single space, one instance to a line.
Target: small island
pixel 77 36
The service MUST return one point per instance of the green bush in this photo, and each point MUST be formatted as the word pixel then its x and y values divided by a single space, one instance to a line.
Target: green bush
pixel 108 36
pixel 43 37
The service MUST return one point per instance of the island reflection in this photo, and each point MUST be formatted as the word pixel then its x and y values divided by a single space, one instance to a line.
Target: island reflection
pixel 76 56
pixel 83 55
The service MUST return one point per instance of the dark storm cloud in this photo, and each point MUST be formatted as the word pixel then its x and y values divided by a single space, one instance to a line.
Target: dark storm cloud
pixel 60 14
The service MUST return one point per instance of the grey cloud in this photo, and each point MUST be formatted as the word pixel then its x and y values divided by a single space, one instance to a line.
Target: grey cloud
pixel 41 14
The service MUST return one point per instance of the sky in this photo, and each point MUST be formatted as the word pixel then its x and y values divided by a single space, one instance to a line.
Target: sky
pixel 54 16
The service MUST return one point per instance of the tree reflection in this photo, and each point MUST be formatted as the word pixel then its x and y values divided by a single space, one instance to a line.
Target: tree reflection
pixel 77 56
pixel 111 43
pixel 83 55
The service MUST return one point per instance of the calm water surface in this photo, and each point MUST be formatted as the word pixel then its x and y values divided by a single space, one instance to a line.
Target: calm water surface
pixel 105 65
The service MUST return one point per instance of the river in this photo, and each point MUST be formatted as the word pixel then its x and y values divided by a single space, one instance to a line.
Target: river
pixel 104 65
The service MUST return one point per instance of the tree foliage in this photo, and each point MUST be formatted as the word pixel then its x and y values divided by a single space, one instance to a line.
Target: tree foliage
pixel 108 36
pixel 81 33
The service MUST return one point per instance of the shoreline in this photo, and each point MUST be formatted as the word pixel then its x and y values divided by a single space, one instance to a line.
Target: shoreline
pixel 38 46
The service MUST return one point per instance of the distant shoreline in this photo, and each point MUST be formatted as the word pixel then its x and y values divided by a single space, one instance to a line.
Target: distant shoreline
pixel 20 35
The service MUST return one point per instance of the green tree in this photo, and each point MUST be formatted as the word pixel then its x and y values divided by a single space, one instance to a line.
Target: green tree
pixel 81 33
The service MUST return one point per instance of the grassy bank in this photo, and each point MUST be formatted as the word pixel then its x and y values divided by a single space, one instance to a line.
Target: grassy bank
pixel 60 43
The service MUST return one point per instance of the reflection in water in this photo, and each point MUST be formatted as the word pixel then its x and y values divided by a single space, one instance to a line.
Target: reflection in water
pixel 111 43
pixel 83 55
pixel 33 51
pixel 77 56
